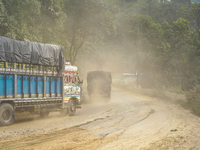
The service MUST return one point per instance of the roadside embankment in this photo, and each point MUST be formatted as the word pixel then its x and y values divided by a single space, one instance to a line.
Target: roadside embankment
pixel 161 94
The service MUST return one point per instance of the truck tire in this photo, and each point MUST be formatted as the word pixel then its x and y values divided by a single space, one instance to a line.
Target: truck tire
pixel 71 110
pixel 44 114
pixel 6 114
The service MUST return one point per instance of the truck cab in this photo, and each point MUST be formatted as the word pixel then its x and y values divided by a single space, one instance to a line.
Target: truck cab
pixel 99 85
pixel 72 89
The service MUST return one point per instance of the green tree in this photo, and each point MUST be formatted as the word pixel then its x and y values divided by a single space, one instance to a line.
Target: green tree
pixel 3 19
pixel 50 24
pixel 191 13
pixel 87 20
pixel 20 16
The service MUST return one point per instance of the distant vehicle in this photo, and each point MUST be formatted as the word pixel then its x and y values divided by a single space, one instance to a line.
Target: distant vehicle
pixel 129 77
pixel 34 77
pixel 99 84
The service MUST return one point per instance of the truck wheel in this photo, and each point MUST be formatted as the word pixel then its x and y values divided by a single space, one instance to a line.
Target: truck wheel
pixel 71 108
pixel 44 114
pixel 6 114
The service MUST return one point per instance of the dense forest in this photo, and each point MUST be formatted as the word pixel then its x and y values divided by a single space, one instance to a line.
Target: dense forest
pixel 157 39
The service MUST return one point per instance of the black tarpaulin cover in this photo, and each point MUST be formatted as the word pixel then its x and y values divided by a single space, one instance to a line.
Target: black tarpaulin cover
pixel 99 81
pixel 31 53
pixel 96 75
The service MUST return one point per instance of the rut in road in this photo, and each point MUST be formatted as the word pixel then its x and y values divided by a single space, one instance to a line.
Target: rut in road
pixel 101 120
pixel 108 127
pixel 119 119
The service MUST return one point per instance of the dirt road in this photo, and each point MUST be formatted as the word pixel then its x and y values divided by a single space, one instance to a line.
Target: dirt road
pixel 128 122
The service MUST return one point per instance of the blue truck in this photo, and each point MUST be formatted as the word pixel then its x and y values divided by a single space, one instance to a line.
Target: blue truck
pixel 35 77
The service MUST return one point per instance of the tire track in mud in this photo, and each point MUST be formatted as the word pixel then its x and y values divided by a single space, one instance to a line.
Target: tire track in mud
pixel 116 130
pixel 74 137
pixel 82 136
pixel 70 138
pixel 19 142
pixel 52 140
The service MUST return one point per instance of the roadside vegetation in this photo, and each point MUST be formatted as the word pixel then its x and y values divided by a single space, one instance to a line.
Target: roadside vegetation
pixel 157 40
pixel 193 100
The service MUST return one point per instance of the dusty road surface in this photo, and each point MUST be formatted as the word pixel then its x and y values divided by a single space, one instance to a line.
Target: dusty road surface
pixel 128 122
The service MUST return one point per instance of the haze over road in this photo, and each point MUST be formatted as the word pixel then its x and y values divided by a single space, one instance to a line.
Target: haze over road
pixel 129 121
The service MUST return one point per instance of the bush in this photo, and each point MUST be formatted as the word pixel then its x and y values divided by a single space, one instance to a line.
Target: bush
pixel 193 100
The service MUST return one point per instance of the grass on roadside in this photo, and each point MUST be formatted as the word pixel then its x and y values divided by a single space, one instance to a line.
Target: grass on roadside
pixel 189 100
pixel 192 100
pixel 193 107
